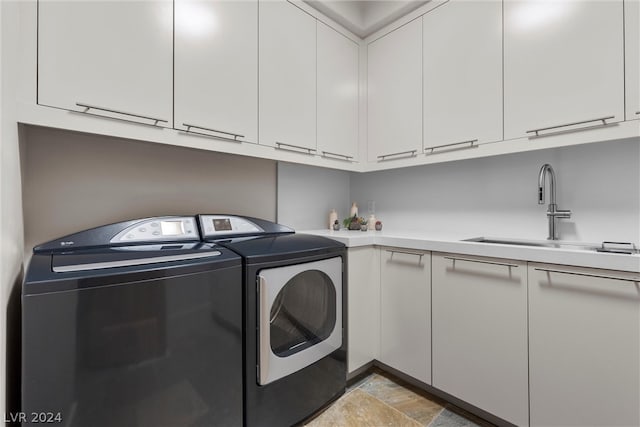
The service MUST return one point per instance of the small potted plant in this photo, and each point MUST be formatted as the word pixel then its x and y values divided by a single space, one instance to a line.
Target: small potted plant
pixel 355 223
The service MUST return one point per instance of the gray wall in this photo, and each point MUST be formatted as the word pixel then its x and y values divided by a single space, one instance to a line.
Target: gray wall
pixel 497 196
pixel 73 181
pixel 306 194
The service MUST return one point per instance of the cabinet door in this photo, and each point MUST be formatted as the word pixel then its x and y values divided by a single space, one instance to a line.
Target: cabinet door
pixel 584 340
pixel 394 103
pixel 563 64
pixel 462 77
pixel 480 333
pixel 216 68
pixel 364 306
pixel 337 94
pixel 632 57
pixel 287 71
pixel 114 58
pixel 405 315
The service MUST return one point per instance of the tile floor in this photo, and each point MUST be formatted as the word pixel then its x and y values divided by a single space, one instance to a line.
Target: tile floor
pixel 380 400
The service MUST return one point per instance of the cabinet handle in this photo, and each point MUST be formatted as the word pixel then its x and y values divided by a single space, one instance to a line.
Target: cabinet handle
pixel 418 254
pixel 482 262
pixel 110 110
pixel 598 276
pixel 471 143
pixel 310 151
pixel 637 112
pixel 336 156
pixel 235 135
pixel 602 119
pixel 411 153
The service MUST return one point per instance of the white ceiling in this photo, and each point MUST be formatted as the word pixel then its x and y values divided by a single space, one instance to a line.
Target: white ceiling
pixel 364 17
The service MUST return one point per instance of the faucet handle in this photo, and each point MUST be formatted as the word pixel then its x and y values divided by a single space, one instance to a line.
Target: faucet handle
pixel 560 213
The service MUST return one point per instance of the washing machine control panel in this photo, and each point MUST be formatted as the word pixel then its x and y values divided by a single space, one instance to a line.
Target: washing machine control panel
pixel 225 225
pixel 159 229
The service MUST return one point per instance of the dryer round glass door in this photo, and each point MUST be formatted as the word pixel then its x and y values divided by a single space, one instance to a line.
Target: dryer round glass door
pixel 299 315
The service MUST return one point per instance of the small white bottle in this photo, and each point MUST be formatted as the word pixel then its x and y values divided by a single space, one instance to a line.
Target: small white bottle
pixel 354 210
pixel 333 217
pixel 371 222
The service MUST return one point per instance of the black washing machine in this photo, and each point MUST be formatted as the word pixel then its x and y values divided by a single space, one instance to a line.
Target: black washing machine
pixel 294 317
pixel 133 324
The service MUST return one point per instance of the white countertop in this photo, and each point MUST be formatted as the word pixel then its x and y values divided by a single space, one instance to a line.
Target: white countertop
pixel 452 243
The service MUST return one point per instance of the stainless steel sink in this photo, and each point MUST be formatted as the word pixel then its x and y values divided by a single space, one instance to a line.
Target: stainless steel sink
pixel 537 243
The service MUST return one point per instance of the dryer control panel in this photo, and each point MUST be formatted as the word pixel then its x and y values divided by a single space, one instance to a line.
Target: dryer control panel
pixel 214 226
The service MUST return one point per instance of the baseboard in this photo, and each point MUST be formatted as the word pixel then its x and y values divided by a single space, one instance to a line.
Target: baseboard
pixel 356 375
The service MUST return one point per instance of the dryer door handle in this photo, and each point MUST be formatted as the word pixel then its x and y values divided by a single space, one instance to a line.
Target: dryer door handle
pixel 264 328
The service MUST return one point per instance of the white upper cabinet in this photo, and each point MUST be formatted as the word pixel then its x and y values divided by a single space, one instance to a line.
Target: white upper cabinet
pixel 337 94
pixel 632 57
pixel 563 64
pixel 394 103
pixel 216 68
pixel 462 63
pixel 287 77
pixel 114 58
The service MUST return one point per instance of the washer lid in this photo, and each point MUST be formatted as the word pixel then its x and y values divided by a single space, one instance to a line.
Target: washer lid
pixel 126 257
pixel 64 271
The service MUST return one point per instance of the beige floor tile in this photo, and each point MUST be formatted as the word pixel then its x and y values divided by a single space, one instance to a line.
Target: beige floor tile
pixel 409 402
pixel 360 409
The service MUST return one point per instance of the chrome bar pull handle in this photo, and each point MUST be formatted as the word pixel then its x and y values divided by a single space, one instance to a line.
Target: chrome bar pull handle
pixel 336 156
pixel 88 107
pixel 451 147
pixel 420 255
pixel 402 154
pixel 234 135
pixel 295 148
pixel 503 264
pixel 598 276
pixel 601 119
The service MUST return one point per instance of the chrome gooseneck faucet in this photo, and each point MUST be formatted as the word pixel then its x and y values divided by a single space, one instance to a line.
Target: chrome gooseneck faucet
pixel 553 212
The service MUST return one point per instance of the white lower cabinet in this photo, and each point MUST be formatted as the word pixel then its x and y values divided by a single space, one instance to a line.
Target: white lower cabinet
pixel 584 337
pixel 480 333
pixel 363 298
pixel 405 311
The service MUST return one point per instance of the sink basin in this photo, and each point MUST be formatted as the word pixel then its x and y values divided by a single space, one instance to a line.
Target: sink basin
pixel 536 243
